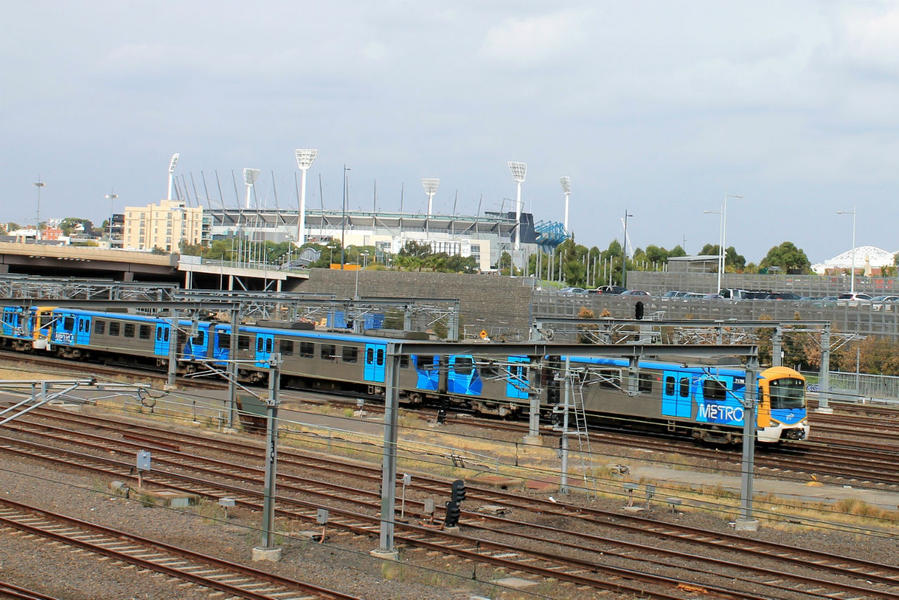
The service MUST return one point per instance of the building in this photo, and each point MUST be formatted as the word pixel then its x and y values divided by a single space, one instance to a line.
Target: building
pixel 164 226
pixel 483 237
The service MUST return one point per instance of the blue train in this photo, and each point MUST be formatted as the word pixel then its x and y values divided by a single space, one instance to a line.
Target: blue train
pixel 701 402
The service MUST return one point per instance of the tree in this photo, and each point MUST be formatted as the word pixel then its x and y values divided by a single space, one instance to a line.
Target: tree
pixel 69 224
pixel 788 258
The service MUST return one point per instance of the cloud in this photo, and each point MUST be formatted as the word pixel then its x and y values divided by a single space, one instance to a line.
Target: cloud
pixel 533 39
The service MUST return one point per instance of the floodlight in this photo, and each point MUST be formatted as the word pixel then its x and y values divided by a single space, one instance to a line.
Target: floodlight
pixel 250 176
pixel 172 163
pixel 430 184
pixel 519 169
pixel 305 157
pixel 566 188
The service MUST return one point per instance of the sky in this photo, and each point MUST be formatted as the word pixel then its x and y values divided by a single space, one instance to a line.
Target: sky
pixel 659 109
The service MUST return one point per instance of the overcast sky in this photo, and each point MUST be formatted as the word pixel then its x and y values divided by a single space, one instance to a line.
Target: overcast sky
pixel 658 108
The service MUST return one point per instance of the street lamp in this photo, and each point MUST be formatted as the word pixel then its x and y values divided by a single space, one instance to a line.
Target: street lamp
pixel 172 163
pixel 519 170
pixel 249 177
pixel 346 181
pixel 852 278
pixel 37 228
pixel 624 260
pixel 723 236
pixel 720 229
pixel 304 156
pixel 112 198
pixel 566 188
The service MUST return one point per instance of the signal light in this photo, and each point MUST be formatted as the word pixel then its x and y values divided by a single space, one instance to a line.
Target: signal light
pixel 458 493
pixel 452 514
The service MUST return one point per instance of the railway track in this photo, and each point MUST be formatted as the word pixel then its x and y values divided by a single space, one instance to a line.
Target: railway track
pixel 487 550
pixel 216 574
pixel 9 591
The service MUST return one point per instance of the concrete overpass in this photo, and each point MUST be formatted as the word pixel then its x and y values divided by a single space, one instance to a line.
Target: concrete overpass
pixel 125 265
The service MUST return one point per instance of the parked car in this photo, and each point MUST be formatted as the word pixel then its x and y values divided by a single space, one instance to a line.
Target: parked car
pixel 572 290
pixel 712 297
pixel 635 293
pixel 853 299
pixel 782 296
pixel 674 294
pixel 610 289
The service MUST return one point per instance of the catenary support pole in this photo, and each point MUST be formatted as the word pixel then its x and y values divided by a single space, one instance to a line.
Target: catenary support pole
pixel 563 482
pixel 777 347
pixel 232 366
pixel 173 350
pixel 386 548
pixel 746 522
pixel 824 375
pixel 271 459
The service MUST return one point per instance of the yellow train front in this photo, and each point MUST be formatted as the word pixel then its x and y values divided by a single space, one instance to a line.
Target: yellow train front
pixel 705 403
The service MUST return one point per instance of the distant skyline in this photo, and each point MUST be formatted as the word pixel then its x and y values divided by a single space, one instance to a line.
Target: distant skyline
pixel 655 108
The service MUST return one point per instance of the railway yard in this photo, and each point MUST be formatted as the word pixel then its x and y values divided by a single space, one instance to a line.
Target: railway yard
pixel 647 516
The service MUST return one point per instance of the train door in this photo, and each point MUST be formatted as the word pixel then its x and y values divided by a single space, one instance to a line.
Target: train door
pixel 517 377
pixel 676 401
pixel 265 345
pixel 221 347
pixel 428 369
pixel 161 346
pixel 374 362
pixel 83 330
pixel 463 376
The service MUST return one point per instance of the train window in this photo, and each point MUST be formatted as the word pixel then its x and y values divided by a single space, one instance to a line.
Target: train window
pixel 114 327
pixel 307 349
pixel 243 342
pixel 224 340
pixel 327 352
pixel 610 378
pixel 269 344
pixel 713 389
pixel 350 354
pixel 684 387
pixel 669 386
pixel 260 344
pixel 644 382
pixel 463 365
pixel 129 330
pixel 101 327
pixel 380 360
pixel 182 339
pixel 87 326
pixel 67 323
pixel 404 361
pixel 369 356
pixel 286 346
pixel 143 332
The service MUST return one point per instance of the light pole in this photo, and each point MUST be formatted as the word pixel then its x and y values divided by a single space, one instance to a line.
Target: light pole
pixel 519 170
pixel 624 260
pixel 566 188
pixel 717 212
pixel 249 177
pixel 304 156
pixel 346 177
pixel 112 198
pixel 172 163
pixel 723 236
pixel 37 228
pixel 852 276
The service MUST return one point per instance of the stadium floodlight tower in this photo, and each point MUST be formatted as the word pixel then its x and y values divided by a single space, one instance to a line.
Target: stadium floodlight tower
pixel 172 163
pixel 566 188
pixel 519 170
pixel 249 177
pixel 430 184
pixel 305 157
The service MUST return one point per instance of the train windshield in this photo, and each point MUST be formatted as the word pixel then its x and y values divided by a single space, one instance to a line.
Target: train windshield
pixel 787 393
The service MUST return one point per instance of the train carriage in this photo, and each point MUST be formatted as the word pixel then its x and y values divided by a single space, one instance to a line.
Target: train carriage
pixel 704 402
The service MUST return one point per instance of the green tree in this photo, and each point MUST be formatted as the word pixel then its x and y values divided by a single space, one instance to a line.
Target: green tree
pixel 69 224
pixel 788 258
